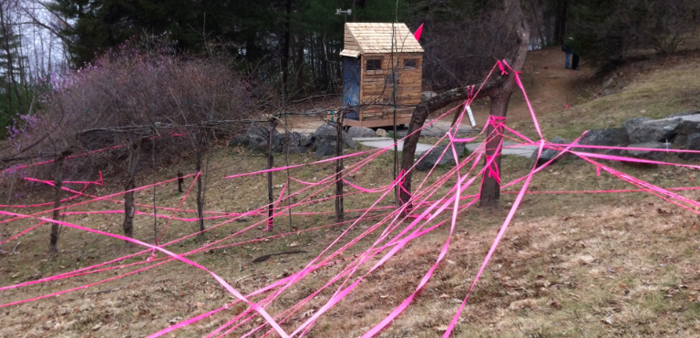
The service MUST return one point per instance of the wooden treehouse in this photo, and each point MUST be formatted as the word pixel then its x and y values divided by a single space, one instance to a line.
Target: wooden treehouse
pixel 373 56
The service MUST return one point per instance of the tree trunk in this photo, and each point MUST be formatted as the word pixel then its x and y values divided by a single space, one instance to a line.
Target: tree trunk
pixel 299 78
pixel 200 201
pixel 58 187
pixel 339 208
pixel 560 21
pixel 270 164
pixel 491 187
pixel 285 48
pixel 9 59
pixel 129 207
pixel 420 114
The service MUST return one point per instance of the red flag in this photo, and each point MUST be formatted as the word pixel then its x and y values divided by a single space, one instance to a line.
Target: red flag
pixel 418 32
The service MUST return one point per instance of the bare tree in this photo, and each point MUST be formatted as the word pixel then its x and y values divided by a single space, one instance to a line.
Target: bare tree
pixel 507 37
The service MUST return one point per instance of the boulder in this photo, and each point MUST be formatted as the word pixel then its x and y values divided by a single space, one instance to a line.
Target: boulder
pixel 294 149
pixel 327 133
pixel 306 141
pixel 646 154
pixel 633 122
pixel 692 143
pixel 255 138
pixel 359 132
pixel 325 150
pixel 654 131
pixel 381 132
pixel 434 153
pixel 241 140
pixel 611 137
pixel 258 134
pixel 686 128
pixel 549 154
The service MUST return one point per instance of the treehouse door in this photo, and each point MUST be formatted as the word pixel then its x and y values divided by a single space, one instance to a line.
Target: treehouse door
pixel 351 81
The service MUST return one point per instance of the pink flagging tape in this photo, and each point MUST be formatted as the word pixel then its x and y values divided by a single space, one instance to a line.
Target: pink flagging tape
pixel 496 241
pixel 340 295
pixel 98 182
pixel 67 275
pixel 182 200
pixel 96 199
pixel 584 146
pixel 23 232
pixel 223 283
pixel 398 310
pixel 376 225
pixel 527 99
pixel 47 203
pixel 270 220
pixel 536 170
pixel 260 172
pixel 371 191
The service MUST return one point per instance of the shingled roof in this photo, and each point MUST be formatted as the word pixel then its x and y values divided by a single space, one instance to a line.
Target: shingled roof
pixel 376 38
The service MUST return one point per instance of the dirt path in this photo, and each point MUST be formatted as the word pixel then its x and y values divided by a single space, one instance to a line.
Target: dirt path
pixel 549 85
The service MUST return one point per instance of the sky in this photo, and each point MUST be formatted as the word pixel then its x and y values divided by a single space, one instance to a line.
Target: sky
pixel 44 51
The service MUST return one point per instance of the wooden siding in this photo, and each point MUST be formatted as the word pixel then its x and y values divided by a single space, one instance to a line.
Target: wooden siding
pixel 376 90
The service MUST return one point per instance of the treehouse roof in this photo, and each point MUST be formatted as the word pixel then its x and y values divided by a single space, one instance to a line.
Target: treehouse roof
pixel 377 38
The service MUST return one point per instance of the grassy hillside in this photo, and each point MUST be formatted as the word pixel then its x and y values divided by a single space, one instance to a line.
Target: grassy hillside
pixel 581 265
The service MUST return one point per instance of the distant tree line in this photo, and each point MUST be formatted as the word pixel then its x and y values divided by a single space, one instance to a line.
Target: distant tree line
pixel 296 42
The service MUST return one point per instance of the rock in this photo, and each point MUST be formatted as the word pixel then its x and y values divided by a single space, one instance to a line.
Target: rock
pixel 427 96
pixel 256 138
pixel 549 154
pixel 325 150
pixel 646 154
pixel 327 133
pixel 294 149
pixel 239 140
pixel 686 128
pixel 433 154
pixel 260 147
pixel 611 137
pixel 306 141
pixel 609 83
pixel 687 113
pixel 633 122
pixel 654 131
pixel 610 91
pixel 356 132
pixel 258 134
pixel 381 132
pixel 693 143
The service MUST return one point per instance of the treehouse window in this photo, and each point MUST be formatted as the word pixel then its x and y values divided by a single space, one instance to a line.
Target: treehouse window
pixel 374 66
pixel 410 63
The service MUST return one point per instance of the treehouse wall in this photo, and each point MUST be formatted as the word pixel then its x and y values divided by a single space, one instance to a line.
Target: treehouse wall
pixel 377 85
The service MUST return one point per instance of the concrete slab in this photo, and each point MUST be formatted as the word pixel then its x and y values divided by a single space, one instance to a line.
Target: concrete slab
pixel 438 129
pixel 523 151
pixel 371 139
pixel 383 142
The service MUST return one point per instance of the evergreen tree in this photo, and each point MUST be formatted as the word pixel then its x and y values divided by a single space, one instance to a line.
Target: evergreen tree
pixel 12 80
